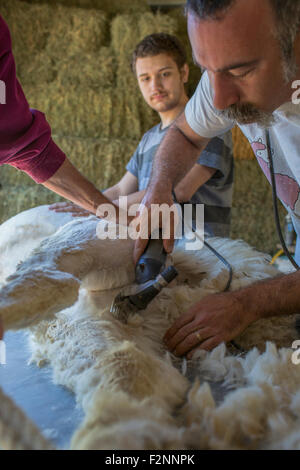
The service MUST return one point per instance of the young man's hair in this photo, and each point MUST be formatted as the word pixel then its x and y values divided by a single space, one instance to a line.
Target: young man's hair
pixel 160 43
pixel 287 14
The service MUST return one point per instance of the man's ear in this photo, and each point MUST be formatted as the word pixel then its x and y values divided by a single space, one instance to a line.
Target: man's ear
pixel 185 73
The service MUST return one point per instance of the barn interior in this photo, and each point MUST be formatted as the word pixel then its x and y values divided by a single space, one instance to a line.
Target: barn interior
pixel 73 62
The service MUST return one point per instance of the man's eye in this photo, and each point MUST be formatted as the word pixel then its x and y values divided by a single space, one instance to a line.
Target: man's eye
pixel 166 74
pixel 145 79
pixel 241 74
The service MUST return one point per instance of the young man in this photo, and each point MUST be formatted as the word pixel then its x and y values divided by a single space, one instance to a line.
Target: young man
pixel 159 63
pixel 250 51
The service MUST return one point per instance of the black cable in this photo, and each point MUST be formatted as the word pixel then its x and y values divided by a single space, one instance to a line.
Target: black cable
pixel 215 252
pixel 275 205
pixel 224 261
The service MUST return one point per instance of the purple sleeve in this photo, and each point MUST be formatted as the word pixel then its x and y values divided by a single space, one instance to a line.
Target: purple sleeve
pixel 25 135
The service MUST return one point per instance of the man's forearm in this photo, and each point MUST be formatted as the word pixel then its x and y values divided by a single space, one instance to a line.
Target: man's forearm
pixel 69 183
pixel 176 155
pixel 271 297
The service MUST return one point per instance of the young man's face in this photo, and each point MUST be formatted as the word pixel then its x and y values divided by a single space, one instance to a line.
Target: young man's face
pixel 243 58
pixel 161 82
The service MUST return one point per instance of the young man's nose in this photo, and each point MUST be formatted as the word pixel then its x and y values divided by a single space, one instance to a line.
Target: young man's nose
pixel 225 92
pixel 155 84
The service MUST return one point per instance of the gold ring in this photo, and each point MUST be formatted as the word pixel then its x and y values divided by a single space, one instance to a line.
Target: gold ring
pixel 199 337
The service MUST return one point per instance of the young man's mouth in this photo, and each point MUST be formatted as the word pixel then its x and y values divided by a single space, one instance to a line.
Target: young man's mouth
pixel 159 97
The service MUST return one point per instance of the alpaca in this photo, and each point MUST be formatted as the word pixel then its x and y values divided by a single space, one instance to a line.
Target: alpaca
pixel 135 394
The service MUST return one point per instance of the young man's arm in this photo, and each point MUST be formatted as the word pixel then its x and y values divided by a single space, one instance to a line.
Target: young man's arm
pixel 196 177
pixel 127 185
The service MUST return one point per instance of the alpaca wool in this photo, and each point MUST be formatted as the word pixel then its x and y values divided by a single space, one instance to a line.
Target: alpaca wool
pixel 135 394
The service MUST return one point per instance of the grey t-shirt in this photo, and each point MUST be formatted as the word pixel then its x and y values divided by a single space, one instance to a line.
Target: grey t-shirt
pixel 215 194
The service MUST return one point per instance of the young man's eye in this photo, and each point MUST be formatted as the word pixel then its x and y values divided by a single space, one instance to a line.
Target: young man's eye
pixel 166 74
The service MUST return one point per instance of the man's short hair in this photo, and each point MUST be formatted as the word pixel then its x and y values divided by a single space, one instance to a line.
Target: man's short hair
pixel 160 43
pixel 287 15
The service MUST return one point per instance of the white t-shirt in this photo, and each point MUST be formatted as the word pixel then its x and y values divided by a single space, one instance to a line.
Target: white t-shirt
pixel 206 121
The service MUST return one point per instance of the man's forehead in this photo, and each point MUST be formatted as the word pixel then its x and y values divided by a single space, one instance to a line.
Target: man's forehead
pixel 155 63
pixel 241 35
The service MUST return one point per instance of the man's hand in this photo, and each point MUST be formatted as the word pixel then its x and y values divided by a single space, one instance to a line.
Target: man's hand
pixel 75 210
pixel 147 219
pixel 215 319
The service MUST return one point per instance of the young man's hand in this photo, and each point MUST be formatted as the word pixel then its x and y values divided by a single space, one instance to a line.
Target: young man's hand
pixel 75 210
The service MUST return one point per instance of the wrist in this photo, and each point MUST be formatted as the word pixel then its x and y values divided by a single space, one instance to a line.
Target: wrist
pixel 248 305
pixel 160 187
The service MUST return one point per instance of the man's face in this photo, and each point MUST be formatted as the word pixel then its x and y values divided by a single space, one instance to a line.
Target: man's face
pixel 161 82
pixel 243 60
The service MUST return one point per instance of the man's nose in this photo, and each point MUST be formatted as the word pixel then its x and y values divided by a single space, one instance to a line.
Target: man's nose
pixel 225 92
pixel 155 83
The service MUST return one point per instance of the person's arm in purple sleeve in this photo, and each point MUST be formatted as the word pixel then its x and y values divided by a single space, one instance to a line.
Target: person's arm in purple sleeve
pixel 26 143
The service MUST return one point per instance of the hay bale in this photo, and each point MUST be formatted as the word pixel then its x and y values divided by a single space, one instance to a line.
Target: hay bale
pixel 123 41
pixel 251 220
pixel 241 148
pixel 93 70
pixel 76 31
pixel 195 72
pixel 15 199
pixel 109 6
pixel 38 69
pixel 102 161
pixel 73 110
pixel 30 26
pixel 42 34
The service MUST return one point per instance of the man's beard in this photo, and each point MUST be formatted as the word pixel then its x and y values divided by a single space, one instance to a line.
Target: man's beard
pixel 247 113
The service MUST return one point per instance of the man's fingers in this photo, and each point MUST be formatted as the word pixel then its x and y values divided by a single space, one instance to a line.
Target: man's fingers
pixel 207 345
pixel 81 214
pixel 181 334
pixel 65 207
pixel 168 245
pixel 193 340
pixel 139 248
pixel 179 323
pixel 59 205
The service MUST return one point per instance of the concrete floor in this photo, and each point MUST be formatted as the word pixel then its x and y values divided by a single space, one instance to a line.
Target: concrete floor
pixel 51 407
